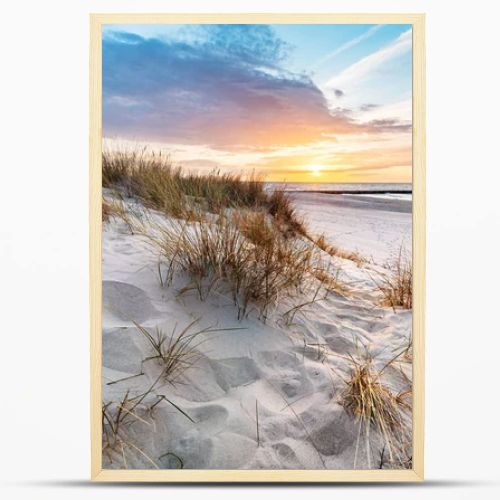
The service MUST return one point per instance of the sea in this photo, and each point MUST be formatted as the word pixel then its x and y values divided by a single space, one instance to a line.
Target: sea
pixel 396 191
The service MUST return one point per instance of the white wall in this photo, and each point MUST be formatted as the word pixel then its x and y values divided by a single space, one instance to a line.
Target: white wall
pixel 44 439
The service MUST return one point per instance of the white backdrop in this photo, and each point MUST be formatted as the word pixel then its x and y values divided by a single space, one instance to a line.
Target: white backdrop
pixel 44 238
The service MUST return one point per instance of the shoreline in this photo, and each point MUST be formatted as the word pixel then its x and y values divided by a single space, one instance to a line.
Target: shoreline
pixel 345 191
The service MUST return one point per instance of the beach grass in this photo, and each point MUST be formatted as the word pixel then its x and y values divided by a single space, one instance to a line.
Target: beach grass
pixel 375 405
pixel 241 253
pixel 397 285
pixel 160 185
pixel 176 352
pixel 335 251
pixel 223 230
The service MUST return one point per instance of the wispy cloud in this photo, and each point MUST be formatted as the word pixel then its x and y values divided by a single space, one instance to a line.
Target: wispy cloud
pixel 347 45
pixel 360 70
pixel 400 111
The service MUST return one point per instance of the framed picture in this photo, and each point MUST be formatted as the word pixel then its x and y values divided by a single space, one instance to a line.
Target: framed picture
pixel 257 247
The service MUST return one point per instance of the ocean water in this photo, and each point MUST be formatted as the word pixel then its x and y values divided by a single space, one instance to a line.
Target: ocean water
pixel 387 191
pixel 343 188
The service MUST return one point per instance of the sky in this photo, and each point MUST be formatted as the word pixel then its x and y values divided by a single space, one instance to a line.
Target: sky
pixel 291 103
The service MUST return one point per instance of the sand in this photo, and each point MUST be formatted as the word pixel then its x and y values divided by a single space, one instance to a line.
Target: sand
pixel 289 377
pixel 372 225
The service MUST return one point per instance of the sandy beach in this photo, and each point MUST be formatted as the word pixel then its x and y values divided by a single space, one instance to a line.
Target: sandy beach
pixel 375 226
pixel 260 395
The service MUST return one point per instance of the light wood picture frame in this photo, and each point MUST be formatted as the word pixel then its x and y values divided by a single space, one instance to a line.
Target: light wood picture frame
pixel 416 473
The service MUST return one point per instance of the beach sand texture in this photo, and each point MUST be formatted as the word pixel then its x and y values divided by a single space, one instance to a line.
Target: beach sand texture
pixel 260 395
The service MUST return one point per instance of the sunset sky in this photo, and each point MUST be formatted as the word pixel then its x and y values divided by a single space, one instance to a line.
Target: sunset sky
pixel 296 103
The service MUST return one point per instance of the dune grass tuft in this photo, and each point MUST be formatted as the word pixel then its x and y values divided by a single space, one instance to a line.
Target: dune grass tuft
pixel 106 210
pixel 281 208
pixel 240 253
pixel 117 417
pixel 176 352
pixel 335 251
pixel 160 185
pixel 376 406
pixel 397 285
pixel 223 230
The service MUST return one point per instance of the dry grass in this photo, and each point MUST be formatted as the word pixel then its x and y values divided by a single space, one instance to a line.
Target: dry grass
pixel 117 417
pixel 116 208
pixel 335 251
pixel 227 231
pixel 106 210
pixel 281 208
pixel 376 406
pixel 176 352
pixel 397 285
pixel 242 254
pixel 255 226
pixel 160 185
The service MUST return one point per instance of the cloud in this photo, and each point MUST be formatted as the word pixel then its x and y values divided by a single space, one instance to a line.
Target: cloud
pixel 400 112
pixel 351 43
pixel 368 107
pixel 252 43
pixel 225 89
pixel 363 68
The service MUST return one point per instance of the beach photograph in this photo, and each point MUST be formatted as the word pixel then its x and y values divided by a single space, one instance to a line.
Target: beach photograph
pixel 257 268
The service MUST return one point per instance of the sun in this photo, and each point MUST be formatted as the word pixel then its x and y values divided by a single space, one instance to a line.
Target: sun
pixel 315 170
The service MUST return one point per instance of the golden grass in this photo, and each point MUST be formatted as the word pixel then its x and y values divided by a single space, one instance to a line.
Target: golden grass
pixel 397 285
pixel 118 417
pixel 176 352
pixel 335 251
pixel 227 231
pixel 106 210
pixel 237 253
pixel 161 185
pixel 281 208
pixel 376 406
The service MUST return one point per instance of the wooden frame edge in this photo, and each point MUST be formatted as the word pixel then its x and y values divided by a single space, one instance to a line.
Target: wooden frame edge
pixel 95 247
pixel 268 18
pixel 95 243
pixel 419 245
pixel 254 476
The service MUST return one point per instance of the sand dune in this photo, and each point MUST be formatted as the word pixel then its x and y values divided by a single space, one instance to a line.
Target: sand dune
pixel 290 377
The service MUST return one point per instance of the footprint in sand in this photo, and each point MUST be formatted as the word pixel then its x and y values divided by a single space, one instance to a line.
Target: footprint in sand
pixel 124 302
pixel 211 418
pixel 120 351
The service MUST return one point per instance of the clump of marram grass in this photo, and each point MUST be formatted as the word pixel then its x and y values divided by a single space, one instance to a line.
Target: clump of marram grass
pixel 335 251
pixel 397 285
pixel 227 230
pixel 162 186
pixel 116 208
pixel 236 253
pixel 281 208
pixel 376 406
pixel 117 419
pixel 106 210
pixel 176 352
pixel 255 226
